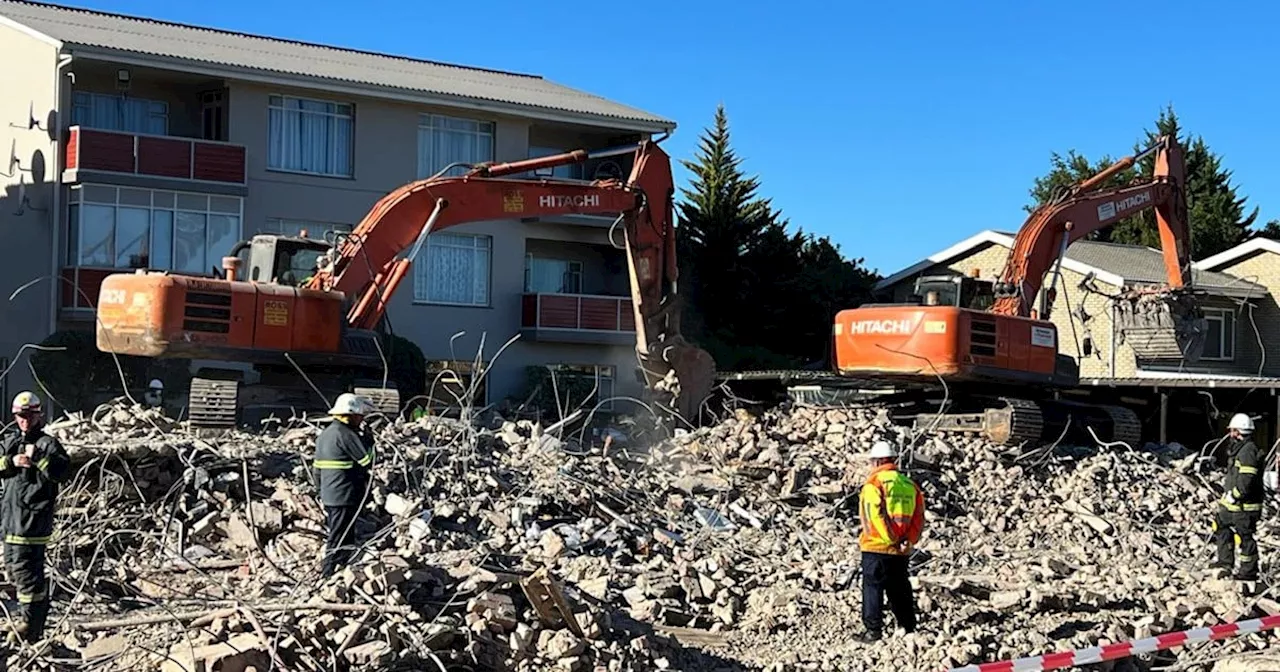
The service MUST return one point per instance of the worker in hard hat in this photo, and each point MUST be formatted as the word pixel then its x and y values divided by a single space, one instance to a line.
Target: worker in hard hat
pixel 33 464
pixel 344 454
pixel 891 507
pixel 1240 508
pixel 154 396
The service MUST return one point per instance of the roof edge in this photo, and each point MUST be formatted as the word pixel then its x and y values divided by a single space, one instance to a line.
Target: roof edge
pixel 30 32
pixel 269 38
pixel 1231 254
pixel 376 91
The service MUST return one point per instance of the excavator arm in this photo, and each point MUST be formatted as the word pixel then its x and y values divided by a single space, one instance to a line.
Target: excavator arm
pixel 369 264
pixel 1043 240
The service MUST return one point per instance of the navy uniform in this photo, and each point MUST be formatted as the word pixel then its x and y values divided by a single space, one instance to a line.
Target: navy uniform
pixel 1240 509
pixel 344 455
pixel 33 466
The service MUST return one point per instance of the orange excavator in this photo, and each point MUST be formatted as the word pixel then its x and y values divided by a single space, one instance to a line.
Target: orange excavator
pixel 996 354
pixel 312 338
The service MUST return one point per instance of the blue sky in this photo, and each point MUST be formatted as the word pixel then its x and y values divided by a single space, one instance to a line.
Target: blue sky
pixel 896 129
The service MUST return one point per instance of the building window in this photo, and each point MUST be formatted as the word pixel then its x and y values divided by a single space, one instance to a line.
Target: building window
pixel 294 227
pixel 1220 339
pixel 552 276
pixel 449 385
pixel 111 112
pixel 120 227
pixel 446 140
pixel 310 136
pixel 577 381
pixel 454 270
pixel 570 172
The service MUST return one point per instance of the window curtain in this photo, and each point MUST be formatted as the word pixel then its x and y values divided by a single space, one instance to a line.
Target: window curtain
pixel 307 136
pixel 120 113
pixel 456 270
pixel 444 140
pixel 550 276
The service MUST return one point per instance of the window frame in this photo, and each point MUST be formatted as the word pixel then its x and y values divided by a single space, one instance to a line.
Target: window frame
pixel 425 259
pixel 575 170
pixel 310 225
pixel 1226 337
pixel 464 372
pixel 350 115
pixel 91 95
pixel 73 253
pixel 426 123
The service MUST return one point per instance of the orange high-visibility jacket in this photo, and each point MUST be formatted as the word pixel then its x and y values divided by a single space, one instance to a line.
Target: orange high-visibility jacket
pixel 892 510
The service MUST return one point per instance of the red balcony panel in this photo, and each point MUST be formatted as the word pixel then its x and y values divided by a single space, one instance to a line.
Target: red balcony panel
pixel 155 156
pixel 557 312
pixel 72 160
pixel 219 163
pixel 599 313
pixel 101 150
pixel 164 157
pixel 576 312
pixel 626 316
pixel 80 286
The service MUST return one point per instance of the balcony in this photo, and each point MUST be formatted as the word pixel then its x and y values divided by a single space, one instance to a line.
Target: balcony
pixel 578 318
pixel 135 159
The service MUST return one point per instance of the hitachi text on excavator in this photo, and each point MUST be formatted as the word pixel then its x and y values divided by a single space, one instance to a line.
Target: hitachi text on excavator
pixel 294 305
pixel 967 354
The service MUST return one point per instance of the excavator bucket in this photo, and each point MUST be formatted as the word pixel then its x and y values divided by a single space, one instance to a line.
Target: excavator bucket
pixel 1162 324
pixel 687 375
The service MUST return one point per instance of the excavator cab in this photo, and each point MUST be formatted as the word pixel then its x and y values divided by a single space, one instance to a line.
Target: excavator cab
pixel 954 290
pixel 283 260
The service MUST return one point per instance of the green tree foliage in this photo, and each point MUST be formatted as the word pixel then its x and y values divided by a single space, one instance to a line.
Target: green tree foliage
pixel 1271 230
pixel 756 295
pixel 1219 217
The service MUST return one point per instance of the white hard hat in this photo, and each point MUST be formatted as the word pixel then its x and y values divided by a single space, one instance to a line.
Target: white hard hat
pixel 155 384
pixel 1242 422
pixel 883 449
pixel 350 404
pixel 26 402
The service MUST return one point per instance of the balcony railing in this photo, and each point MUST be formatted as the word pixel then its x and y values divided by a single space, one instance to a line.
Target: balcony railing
pixel 80 286
pixel 165 157
pixel 578 312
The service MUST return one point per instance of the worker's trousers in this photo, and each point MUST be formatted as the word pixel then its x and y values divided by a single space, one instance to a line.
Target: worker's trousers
pixel 340 542
pixel 885 575
pixel 25 565
pixel 1227 527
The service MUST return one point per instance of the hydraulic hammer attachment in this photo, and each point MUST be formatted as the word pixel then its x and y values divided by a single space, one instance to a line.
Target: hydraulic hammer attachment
pixel 1161 323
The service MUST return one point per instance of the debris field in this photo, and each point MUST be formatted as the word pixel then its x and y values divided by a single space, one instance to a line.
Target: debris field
pixel 498 545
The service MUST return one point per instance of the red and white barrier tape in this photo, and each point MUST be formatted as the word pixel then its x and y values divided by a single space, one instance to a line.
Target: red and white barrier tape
pixel 1098 654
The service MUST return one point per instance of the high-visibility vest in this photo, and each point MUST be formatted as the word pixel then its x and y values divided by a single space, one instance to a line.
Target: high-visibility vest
pixel 892 511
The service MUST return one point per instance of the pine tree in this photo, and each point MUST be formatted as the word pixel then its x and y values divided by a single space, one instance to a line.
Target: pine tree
pixel 1216 210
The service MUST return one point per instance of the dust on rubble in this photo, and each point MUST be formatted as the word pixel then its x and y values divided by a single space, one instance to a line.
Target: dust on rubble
pixel 499 545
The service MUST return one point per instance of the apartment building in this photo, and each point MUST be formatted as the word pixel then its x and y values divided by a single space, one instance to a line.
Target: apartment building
pixel 136 143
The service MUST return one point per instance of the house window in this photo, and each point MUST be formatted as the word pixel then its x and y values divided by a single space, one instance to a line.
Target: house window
pixel 310 136
pixel 449 384
pixel 1220 339
pixel 120 227
pixel 552 276
pixel 446 140
pixel 294 227
pixel 583 378
pixel 113 112
pixel 570 172
pixel 453 270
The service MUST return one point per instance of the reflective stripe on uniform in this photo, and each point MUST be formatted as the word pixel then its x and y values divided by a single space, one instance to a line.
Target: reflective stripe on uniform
pixel 1245 470
pixel 366 460
pixel 28 598
pixel 333 464
pixel 20 540
pixel 43 464
pixel 896 508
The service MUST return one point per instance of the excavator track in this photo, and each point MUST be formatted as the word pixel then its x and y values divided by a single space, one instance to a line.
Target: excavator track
pixel 386 400
pixel 1020 421
pixel 1125 425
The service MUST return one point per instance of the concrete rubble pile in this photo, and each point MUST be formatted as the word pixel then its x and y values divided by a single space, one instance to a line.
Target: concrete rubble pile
pixel 503 545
